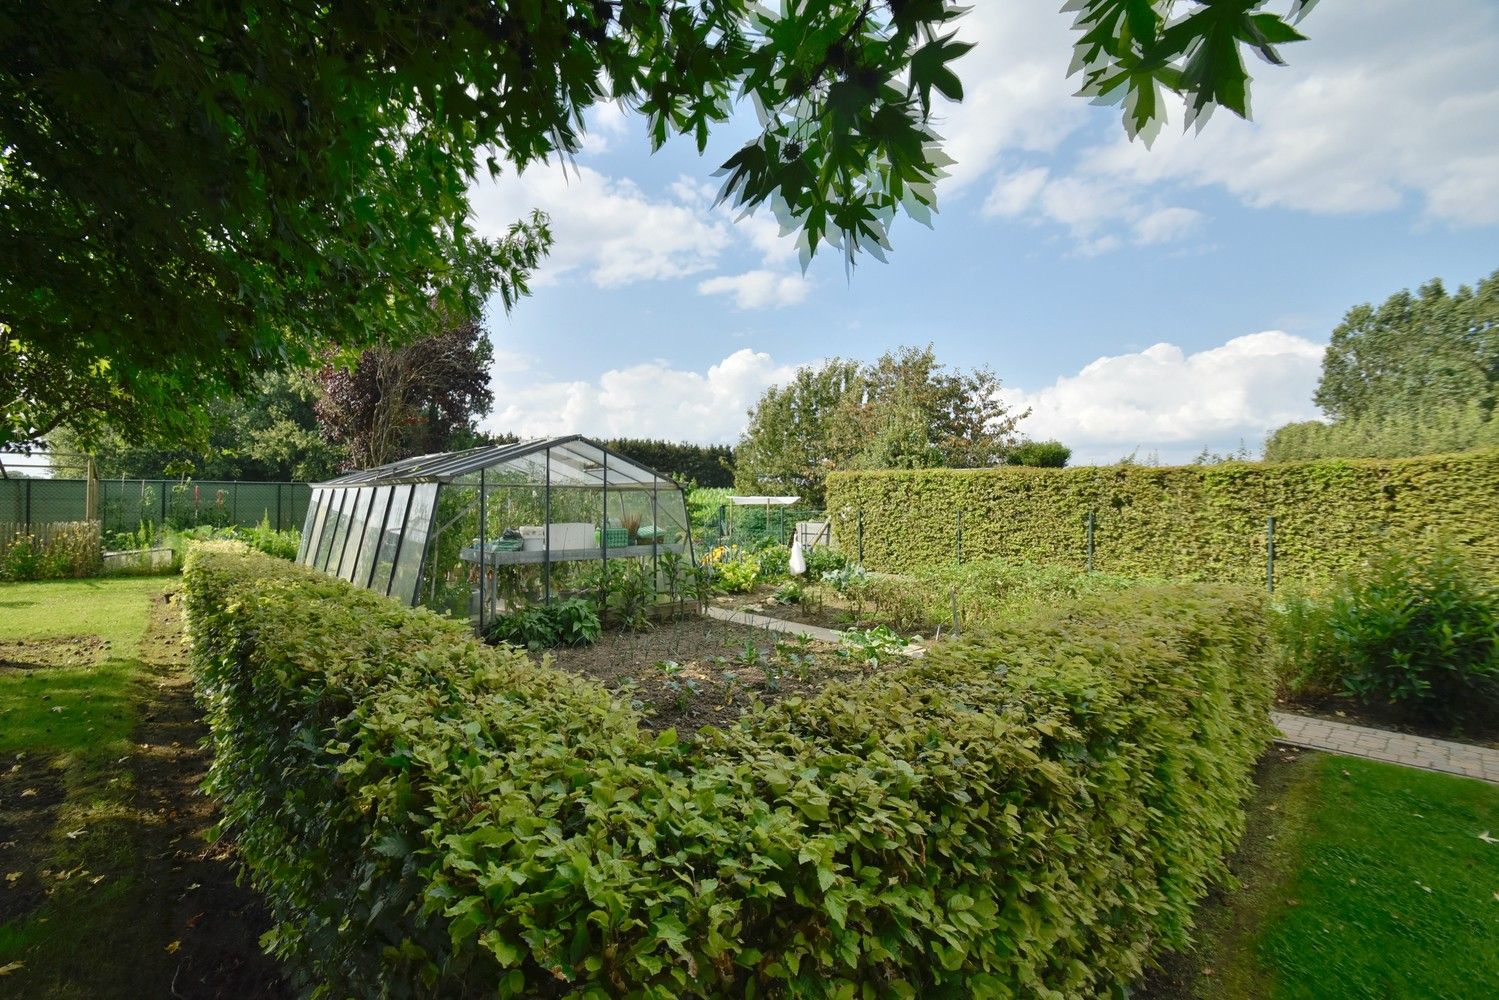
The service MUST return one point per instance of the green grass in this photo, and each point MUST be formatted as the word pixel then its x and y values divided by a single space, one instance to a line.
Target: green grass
pixel 69 711
pixel 112 608
pixel 1368 881
pixel 81 719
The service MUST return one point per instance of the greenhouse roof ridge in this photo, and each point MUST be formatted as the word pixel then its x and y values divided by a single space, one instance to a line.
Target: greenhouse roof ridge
pixel 583 468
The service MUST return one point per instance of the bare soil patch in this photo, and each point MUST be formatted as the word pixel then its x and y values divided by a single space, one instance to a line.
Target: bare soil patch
pixel 698 672
pixel 52 651
pixel 196 901
pixel 31 790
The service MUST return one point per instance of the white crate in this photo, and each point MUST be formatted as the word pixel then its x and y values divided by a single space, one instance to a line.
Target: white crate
pixel 565 535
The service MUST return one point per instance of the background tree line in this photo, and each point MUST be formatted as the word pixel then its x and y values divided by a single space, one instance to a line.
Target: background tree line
pixel 1416 375
pixel 904 411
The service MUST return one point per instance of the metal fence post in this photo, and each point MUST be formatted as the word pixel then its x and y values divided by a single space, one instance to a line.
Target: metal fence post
pixel 1091 521
pixel 960 538
pixel 861 537
pixel 28 506
pixel 278 506
pixel 1270 554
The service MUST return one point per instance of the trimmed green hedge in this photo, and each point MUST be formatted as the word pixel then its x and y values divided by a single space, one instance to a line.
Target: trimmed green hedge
pixel 1188 522
pixel 1030 815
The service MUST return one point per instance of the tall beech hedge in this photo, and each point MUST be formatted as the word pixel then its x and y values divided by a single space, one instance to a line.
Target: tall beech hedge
pixel 1186 522
pixel 1031 814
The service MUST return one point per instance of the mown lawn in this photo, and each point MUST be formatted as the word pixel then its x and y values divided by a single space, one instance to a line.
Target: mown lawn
pixel 1360 880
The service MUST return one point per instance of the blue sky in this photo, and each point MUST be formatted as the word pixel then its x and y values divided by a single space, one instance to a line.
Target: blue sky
pixel 1163 300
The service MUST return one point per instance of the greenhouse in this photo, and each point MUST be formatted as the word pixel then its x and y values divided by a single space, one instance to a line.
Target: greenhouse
pixel 479 532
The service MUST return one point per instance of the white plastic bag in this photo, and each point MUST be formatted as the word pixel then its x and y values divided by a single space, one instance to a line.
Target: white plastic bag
pixel 798 564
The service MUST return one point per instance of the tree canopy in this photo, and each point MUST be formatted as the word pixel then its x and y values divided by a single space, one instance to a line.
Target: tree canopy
pixel 193 192
pixel 269 433
pixel 408 399
pixel 1417 374
pixel 905 411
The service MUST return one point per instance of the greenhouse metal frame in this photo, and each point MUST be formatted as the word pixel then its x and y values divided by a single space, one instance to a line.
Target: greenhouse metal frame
pixel 479 532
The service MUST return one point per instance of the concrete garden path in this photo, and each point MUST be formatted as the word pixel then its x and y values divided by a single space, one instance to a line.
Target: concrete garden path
pixel 1461 759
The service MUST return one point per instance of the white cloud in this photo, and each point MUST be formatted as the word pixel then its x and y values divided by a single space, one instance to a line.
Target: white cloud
pixel 650 400
pixel 1017 97
pixel 1016 193
pixel 1164 400
pixel 1366 118
pixel 607 227
pixel 758 289
pixel 1166 224
pixel 1099 214
pixel 1389 102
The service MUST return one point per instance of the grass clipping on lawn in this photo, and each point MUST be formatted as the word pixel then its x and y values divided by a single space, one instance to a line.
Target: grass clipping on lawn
pixel 1034 812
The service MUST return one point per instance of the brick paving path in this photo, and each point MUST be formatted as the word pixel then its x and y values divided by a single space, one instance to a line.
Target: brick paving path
pixel 1461 759
pixel 1392 748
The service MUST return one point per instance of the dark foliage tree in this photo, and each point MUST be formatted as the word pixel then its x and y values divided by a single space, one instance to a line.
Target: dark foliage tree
pixel 412 399
pixel 709 465
pixel 269 434
pixel 194 192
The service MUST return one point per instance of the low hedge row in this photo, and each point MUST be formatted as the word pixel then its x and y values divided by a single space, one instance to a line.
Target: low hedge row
pixel 1187 522
pixel 986 593
pixel 1030 814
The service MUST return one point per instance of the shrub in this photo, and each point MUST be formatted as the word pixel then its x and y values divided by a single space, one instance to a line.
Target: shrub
pixel 65 550
pixel 427 816
pixel 571 622
pixel 986 593
pixel 1040 455
pixel 822 559
pixel 262 537
pixel 1189 522
pixel 734 570
pixel 1417 632
pixel 774 561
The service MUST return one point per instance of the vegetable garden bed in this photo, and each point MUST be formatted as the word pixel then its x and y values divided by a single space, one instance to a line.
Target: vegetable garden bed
pixel 696 671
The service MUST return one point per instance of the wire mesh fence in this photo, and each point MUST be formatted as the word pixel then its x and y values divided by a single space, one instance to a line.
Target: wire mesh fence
pixel 125 504
pixel 751 526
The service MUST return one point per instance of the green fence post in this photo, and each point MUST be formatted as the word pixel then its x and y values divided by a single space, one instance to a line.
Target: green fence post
pixel 960 538
pixel 28 505
pixel 861 536
pixel 1270 554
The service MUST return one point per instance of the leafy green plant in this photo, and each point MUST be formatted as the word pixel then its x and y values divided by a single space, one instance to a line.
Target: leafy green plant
pixel 872 647
pixel 823 559
pixel 65 550
pixel 849 581
pixel 1420 632
pixel 570 622
pixel 795 651
pixel 792 592
pixel 774 561
pixel 628 591
pixel 737 576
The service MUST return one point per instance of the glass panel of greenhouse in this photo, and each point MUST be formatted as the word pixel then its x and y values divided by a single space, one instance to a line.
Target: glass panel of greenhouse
pixel 480 532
